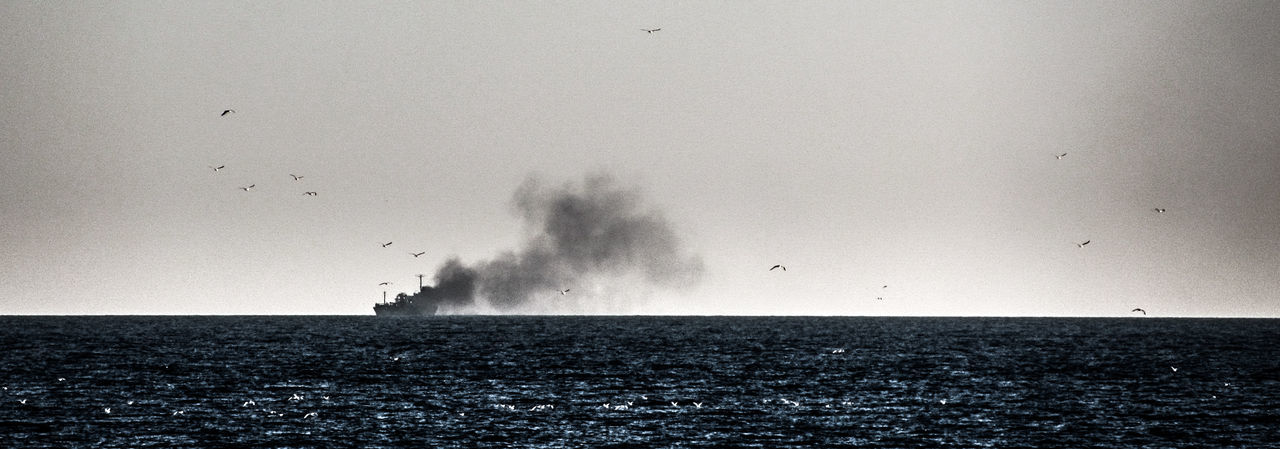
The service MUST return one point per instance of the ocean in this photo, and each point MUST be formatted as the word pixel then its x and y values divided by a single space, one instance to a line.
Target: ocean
pixel 638 382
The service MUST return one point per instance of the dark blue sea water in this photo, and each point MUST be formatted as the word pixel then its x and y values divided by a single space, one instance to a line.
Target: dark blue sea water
pixel 641 382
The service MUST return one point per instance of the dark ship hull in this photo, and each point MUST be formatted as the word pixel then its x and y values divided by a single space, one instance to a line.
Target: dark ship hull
pixel 398 309
pixel 424 303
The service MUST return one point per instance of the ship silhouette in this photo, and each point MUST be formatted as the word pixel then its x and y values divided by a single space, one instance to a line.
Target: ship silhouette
pixel 427 301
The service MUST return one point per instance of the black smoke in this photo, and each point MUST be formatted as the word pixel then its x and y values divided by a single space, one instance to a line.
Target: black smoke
pixel 578 237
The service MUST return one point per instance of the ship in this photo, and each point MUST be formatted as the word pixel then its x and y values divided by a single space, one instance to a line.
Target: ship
pixel 427 301
pixel 421 304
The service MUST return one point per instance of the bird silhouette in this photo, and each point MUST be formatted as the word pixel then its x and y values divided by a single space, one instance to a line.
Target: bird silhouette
pixel 1082 244
pixel 1060 156
pixel 418 254
pixel 384 283
pixel 309 193
pixel 220 167
pixel 1144 312
pixel 228 111
pixel 1160 210
pixel 650 31
pixel 384 245
pixel 562 292
pixel 296 177
pixel 249 187
pixel 778 266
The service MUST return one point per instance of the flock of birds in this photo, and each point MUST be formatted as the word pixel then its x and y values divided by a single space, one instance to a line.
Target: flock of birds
pixel 1058 156
pixel 296 178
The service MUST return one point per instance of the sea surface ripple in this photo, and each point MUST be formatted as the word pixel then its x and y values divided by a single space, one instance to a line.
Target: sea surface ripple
pixel 638 382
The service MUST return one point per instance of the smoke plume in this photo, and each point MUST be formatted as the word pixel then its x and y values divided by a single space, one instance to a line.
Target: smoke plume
pixel 583 238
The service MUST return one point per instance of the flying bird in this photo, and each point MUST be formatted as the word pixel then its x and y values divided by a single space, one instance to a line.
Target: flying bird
pixel 1060 156
pixel 249 187
pixel 778 266
pixel 1082 244
pixel 1160 210
pixel 220 167
pixel 650 31
pixel 384 245
pixel 296 177
pixel 562 292
pixel 418 254
pixel 309 193
pixel 228 111
pixel 1144 312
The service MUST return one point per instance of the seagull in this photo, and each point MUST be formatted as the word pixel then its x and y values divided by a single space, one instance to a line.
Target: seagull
pixel 384 284
pixel 675 404
pixel 562 292
pixel 650 31
pixel 220 167
pixel 295 397
pixel 107 410
pixel 1060 156
pixel 22 401
pixel 1174 368
pixel 249 187
pixel 228 111
pixel 248 403
pixel 1144 312
pixel 697 404
pixel 778 266
pixel 296 177
pixel 309 193
pixel 384 245
pixel 1082 244
pixel 418 254
pixel 1160 210
pixel 310 415
pixel 179 412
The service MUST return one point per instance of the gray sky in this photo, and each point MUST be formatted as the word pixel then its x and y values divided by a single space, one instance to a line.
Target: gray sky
pixel 860 144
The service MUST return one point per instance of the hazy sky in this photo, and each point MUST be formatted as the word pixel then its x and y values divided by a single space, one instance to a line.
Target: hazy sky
pixel 861 144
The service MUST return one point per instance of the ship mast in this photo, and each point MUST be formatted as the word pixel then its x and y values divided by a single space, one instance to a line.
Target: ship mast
pixel 420 281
